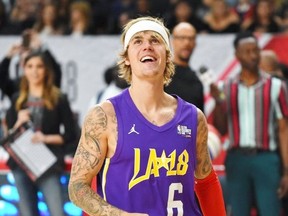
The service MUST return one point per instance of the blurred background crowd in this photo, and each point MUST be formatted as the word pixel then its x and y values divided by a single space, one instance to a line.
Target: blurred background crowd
pixel 34 19
pixel 94 17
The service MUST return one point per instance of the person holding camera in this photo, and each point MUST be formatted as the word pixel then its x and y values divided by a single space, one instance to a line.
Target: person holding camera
pixel 30 42
pixel 40 102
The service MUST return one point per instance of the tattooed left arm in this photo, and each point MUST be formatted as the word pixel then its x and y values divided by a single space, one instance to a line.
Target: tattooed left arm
pixel 207 185
pixel 203 165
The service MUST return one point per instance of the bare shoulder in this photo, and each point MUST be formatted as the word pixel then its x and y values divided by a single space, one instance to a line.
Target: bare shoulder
pixel 202 153
pixel 93 144
pixel 96 125
pixel 99 116
pixel 201 117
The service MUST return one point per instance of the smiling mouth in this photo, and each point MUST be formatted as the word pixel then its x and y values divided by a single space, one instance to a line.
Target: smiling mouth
pixel 147 59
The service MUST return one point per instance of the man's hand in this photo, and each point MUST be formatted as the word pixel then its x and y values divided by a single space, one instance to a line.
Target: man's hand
pixel 283 187
pixel 214 91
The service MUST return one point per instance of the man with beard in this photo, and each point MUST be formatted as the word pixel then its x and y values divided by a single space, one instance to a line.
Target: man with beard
pixel 185 82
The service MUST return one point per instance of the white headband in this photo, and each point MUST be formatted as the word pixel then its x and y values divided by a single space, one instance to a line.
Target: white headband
pixel 145 25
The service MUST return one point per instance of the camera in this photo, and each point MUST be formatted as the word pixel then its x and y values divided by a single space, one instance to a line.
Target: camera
pixel 26 37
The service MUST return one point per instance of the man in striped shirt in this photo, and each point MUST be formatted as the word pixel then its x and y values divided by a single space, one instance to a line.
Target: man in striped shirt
pixel 252 107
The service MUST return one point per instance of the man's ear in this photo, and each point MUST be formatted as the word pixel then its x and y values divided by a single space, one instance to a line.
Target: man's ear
pixel 127 62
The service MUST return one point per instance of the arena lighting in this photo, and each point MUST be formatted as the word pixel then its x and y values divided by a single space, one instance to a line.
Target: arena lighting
pixel 10 178
pixel 40 195
pixel 64 180
pixel 7 208
pixel 71 209
pixel 43 208
pixel 9 198
pixel 9 193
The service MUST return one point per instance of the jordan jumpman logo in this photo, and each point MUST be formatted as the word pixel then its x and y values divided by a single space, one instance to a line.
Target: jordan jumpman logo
pixel 133 130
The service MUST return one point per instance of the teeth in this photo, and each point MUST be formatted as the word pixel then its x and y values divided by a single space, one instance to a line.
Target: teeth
pixel 147 58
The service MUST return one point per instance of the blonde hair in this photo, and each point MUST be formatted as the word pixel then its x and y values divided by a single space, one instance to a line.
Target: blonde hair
pixel 125 70
pixel 85 10
pixel 51 93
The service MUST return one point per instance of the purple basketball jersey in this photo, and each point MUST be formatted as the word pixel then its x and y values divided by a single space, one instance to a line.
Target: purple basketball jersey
pixel 152 170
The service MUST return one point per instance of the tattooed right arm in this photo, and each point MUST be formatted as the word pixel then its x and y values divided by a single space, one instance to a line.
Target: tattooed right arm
pixel 87 162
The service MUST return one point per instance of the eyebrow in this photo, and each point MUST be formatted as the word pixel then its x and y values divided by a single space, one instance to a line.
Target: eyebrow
pixel 153 36
pixel 137 37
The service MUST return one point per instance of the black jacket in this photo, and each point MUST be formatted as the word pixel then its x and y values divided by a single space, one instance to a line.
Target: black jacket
pixel 187 85
pixel 51 121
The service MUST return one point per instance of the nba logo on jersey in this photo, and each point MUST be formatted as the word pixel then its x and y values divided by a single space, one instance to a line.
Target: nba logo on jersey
pixel 184 131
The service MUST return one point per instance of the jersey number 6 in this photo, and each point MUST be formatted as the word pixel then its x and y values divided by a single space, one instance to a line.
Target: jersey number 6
pixel 174 203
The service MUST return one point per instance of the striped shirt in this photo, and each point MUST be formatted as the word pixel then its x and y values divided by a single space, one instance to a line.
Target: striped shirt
pixel 253 111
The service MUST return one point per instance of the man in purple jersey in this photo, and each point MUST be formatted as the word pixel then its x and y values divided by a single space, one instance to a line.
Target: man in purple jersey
pixel 147 148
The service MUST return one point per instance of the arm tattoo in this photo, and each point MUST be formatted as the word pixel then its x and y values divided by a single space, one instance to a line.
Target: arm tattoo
pixel 93 203
pixel 89 149
pixel 203 157
pixel 88 156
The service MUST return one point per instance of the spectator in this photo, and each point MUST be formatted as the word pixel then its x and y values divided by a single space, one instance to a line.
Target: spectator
pixel 185 82
pixel 245 10
pixel 42 103
pixel 183 12
pixel 269 63
pixel 48 23
pixel 264 19
pixel 204 8
pixel 31 42
pixel 23 15
pixel 282 17
pixel 80 19
pixel 250 105
pixel 221 18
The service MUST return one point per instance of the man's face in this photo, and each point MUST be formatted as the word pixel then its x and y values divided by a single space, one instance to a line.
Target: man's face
pixel 183 42
pixel 248 53
pixel 147 55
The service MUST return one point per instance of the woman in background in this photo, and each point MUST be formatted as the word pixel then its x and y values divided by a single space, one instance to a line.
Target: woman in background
pixel 42 103
pixel 48 23
pixel 80 20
